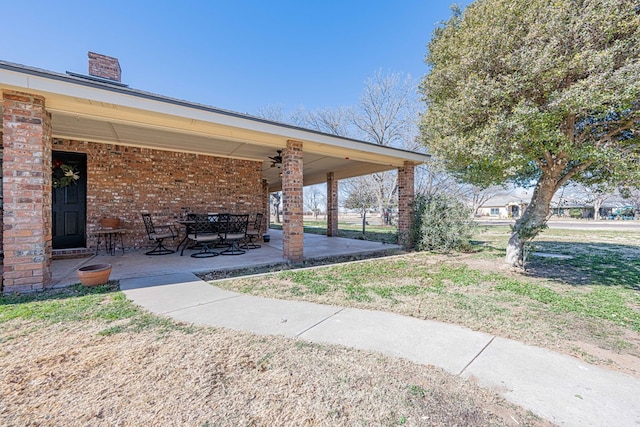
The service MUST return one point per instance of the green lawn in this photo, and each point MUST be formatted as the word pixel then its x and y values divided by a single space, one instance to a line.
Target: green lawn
pixel 351 230
pixel 102 304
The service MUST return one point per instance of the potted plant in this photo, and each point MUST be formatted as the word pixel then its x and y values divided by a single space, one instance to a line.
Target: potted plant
pixel 266 238
pixel 94 275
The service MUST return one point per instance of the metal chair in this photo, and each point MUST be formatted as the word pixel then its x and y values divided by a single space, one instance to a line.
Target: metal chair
pixel 158 233
pixel 203 232
pixel 233 232
pixel 253 233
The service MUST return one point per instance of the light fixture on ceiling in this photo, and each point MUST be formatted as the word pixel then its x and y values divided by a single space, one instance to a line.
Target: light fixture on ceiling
pixel 276 161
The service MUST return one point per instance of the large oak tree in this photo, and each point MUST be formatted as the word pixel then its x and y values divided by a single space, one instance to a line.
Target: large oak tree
pixel 536 92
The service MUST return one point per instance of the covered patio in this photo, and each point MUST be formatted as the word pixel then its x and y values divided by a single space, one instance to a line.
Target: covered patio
pixel 136 152
pixel 133 264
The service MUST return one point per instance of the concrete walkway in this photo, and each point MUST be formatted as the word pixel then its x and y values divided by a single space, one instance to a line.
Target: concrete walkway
pixel 559 388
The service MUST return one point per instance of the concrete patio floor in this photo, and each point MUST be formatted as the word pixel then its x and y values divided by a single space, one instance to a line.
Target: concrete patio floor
pixel 134 264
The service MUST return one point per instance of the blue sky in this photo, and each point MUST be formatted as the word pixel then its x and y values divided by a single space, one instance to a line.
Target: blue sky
pixel 236 55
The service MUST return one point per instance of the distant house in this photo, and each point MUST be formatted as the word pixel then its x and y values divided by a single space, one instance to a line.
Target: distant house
pixel 578 209
pixel 503 207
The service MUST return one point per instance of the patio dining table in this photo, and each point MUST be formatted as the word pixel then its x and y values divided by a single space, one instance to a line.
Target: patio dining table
pixel 229 227
pixel 187 225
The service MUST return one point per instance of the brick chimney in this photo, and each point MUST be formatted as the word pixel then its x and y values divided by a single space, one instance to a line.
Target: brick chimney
pixel 104 67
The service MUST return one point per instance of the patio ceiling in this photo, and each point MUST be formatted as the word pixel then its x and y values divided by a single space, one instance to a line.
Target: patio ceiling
pixel 91 110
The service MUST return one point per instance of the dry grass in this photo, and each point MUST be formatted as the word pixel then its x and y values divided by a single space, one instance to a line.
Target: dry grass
pixel 68 374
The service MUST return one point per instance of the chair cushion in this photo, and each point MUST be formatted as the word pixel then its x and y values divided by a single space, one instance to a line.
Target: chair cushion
pixel 204 237
pixel 234 236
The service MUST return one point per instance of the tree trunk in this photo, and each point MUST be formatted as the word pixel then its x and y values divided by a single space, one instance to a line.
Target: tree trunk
pixel 533 219
pixel 597 204
pixel 364 222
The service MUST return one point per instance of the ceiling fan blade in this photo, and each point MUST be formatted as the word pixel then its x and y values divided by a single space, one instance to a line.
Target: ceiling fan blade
pixel 276 160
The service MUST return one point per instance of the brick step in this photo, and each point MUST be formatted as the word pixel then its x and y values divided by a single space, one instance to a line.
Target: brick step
pixel 72 253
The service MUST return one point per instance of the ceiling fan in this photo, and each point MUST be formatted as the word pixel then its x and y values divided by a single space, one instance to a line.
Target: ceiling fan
pixel 277 160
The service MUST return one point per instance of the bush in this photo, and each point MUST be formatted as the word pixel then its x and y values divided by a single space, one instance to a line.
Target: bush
pixel 441 224
pixel 575 213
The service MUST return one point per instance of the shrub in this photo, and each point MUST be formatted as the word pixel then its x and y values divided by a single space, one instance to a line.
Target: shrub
pixel 575 213
pixel 441 224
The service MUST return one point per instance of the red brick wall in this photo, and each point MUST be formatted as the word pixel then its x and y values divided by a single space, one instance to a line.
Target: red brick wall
pixel 1 208
pixel 26 143
pixel 104 66
pixel 265 207
pixel 124 181
pixel 406 193
pixel 332 205
pixel 292 202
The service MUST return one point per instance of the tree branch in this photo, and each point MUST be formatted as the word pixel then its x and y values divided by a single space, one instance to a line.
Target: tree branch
pixel 620 125
pixel 609 135
pixel 572 172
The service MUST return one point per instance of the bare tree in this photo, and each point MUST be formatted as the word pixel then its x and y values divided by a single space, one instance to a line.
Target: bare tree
pixel 333 121
pixel 477 196
pixel 277 113
pixel 432 179
pixel 388 110
pixel 314 200
pixel 276 199
pixel 361 197
pixel 388 115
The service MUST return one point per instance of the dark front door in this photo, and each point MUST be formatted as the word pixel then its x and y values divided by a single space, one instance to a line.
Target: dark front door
pixel 69 213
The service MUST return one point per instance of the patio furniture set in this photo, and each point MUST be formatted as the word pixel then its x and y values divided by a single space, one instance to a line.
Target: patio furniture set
pixel 211 234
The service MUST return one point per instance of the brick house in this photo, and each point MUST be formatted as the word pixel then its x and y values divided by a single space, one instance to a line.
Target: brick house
pixel 137 152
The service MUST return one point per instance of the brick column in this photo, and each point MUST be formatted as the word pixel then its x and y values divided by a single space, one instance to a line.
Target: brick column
pixel 406 195
pixel 26 174
pixel 292 203
pixel 266 209
pixel 332 205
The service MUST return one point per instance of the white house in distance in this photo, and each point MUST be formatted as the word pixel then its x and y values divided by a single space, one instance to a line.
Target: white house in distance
pixel 512 205
pixel 504 206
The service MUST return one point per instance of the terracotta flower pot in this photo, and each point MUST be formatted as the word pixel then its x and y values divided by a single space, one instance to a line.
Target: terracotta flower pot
pixel 94 275
pixel 110 222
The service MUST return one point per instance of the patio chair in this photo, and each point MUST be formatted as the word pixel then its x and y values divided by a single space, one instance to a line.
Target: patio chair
pixel 204 232
pixel 158 233
pixel 234 232
pixel 253 233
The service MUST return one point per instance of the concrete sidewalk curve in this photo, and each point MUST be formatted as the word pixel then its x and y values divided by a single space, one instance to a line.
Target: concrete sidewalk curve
pixel 559 388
